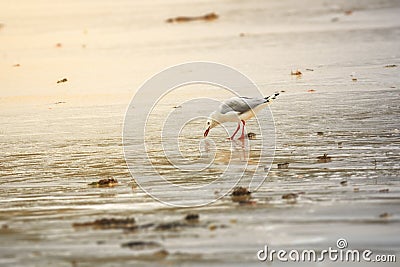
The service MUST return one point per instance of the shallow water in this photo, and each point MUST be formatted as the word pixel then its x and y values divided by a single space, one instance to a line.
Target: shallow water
pixel 50 152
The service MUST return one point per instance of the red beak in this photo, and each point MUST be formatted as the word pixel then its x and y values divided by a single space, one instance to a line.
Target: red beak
pixel 206 132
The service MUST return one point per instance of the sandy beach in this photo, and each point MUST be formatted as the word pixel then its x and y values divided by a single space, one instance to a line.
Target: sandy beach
pixel 69 70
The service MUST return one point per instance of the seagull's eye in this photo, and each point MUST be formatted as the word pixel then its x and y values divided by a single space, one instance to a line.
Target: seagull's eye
pixel 208 123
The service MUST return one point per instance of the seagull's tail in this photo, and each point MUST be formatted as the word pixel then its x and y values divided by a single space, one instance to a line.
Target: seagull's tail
pixel 271 98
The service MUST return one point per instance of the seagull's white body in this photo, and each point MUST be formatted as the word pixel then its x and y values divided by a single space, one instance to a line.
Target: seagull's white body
pixel 236 116
pixel 237 109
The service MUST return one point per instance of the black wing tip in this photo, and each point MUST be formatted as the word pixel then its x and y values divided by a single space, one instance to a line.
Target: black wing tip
pixel 271 97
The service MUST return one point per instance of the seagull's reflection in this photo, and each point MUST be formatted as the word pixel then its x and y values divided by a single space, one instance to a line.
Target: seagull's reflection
pixel 240 149
pixel 237 150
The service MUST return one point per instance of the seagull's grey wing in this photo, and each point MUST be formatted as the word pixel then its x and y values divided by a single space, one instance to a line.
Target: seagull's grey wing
pixel 241 104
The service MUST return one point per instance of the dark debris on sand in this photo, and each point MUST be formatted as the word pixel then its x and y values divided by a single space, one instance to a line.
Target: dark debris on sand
pixel 170 226
pixel 290 196
pixel 129 225
pixel 138 245
pixel 385 215
pixel 251 136
pixel 110 182
pixel 247 203
pixel 192 217
pixel 62 80
pixel 240 194
pixel 240 191
pixel 296 73
pixel 207 17
pixel 324 158
pixel 108 223
pixel 284 165
pixel 190 220
pixel 154 250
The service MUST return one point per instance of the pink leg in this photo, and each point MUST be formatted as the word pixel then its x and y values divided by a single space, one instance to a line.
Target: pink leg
pixel 242 136
pixel 237 129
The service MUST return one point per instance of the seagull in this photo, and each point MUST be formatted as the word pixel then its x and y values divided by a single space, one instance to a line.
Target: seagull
pixel 237 109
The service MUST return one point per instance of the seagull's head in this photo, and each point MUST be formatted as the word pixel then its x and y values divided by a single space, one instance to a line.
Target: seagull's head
pixel 211 123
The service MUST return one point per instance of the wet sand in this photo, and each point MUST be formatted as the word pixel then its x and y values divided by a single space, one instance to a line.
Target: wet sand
pixel 57 138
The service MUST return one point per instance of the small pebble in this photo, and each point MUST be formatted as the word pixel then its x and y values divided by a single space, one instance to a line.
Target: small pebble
pixel 296 73
pixel 240 191
pixel 290 196
pixel 324 158
pixel 284 165
pixel 240 194
pixel 212 227
pixel 192 217
pixel 251 136
pixel 384 215
pixel 348 12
